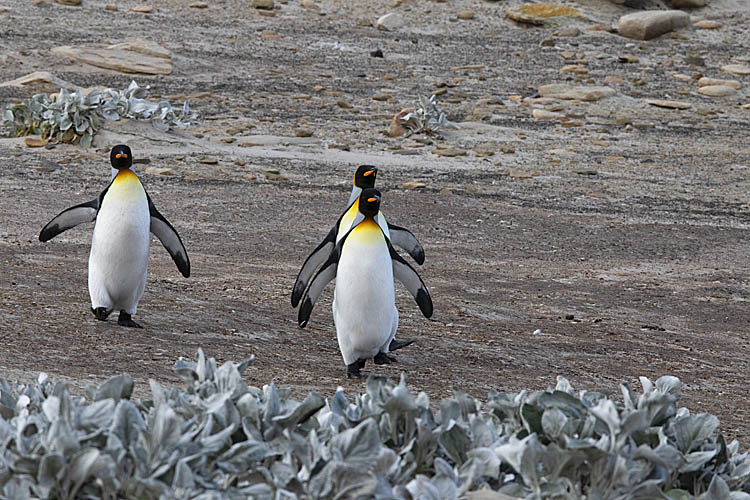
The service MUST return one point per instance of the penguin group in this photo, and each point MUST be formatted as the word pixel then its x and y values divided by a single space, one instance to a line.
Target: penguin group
pixel 358 252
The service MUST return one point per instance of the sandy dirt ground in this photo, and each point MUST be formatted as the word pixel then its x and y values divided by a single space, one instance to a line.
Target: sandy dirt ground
pixel 601 250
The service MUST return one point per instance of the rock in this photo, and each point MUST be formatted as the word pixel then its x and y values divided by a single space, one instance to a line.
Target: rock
pixel 343 104
pixel 465 14
pixel 536 13
pixel 574 68
pixel 263 4
pixel 399 126
pixel 717 90
pixel 689 4
pixel 207 160
pixel 160 171
pixel 660 103
pixel 705 24
pixel 543 114
pixel 413 185
pixel 390 22
pixel 133 56
pixel 562 91
pixel 143 9
pixel 40 81
pixel 69 2
pixel 376 53
pixel 449 153
pixel 446 192
pixel 568 32
pixel 705 82
pixel 649 24
pixel 628 59
pixel 303 132
pixel 35 142
pixel 613 79
pixel 111 7
pixel 737 69
pixel 198 5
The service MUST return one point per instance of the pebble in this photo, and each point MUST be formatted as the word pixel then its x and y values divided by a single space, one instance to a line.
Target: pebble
pixel 318 88
pixel 69 2
pixel 574 68
pixel 705 82
pixel 376 53
pixel 449 153
pixel 143 9
pixel 543 114
pixel 263 4
pixel 390 22
pixel 199 5
pixel 534 13
pixel 160 171
pixel 562 91
pixel 649 24
pixel 397 127
pixel 35 142
pixel 111 7
pixel 705 24
pixel 413 185
pixel 446 191
pixel 737 69
pixel 569 32
pixel 465 15
pixel 207 160
pixel 303 132
pixel 660 103
pixel 343 104
pixel 613 79
pixel 628 58
pixel 717 90
pixel 133 56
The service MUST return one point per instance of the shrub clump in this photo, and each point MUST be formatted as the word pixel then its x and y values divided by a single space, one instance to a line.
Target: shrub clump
pixel 218 438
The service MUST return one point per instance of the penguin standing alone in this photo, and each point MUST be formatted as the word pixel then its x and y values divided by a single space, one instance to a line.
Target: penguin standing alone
pixel 364 178
pixel 118 261
pixel 364 264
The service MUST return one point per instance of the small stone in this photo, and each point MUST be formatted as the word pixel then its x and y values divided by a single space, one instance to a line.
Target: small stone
pixel 521 174
pixel 413 185
pixel 143 9
pixel 562 91
pixel 343 104
pixel 543 114
pixel 583 171
pixel 628 58
pixel 303 132
pixel 649 24
pixel 398 125
pixel 132 56
pixel 705 24
pixel 207 160
pixel 449 153
pixel 229 140
pixel 318 88
pixel 570 32
pixel 535 13
pixel 270 35
pixel 547 42
pixel 682 77
pixel 199 5
pixel 309 4
pixel 737 69
pixel 465 15
pixel 380 97
pixel 705 82
pixel 717 90
pixel 446 192
pixel 160 171
pixel 376 53
pixel 69 2
pixel 667 104
pixel 390 22
pixel 574 68
pixel 111 7
pixel 688 4
pixel 35 142
pixel 263 4
pixel 272 175
pixel 613 79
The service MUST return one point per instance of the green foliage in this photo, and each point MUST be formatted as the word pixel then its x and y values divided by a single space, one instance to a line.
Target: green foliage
pixel 77 116
pixel 219 438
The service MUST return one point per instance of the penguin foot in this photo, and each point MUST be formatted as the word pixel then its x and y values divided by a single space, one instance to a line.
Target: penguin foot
pixel 382 358
pixel 101 313
pixel 353 370
pixel 398 344
pixel 126 320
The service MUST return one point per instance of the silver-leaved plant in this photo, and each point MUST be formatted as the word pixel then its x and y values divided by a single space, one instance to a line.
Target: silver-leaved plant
pixel 77 116
pixel 218 438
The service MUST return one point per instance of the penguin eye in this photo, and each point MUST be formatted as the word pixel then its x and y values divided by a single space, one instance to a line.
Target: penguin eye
pixel 372 200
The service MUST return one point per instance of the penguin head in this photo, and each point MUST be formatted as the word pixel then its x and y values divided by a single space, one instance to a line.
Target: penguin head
pixel 364 177
pixel 369 202
pixel 121 158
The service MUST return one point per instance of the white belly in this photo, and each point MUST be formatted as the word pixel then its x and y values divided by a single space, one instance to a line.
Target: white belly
pixel 364 307
pixel 119 250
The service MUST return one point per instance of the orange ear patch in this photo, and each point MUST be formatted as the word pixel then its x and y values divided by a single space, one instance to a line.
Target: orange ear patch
pixel 118 155
pixel 372 199
pixel 368 173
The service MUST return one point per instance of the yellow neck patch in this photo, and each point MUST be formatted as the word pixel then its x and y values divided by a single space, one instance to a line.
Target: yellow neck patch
pixel 367 232
pixel 127 184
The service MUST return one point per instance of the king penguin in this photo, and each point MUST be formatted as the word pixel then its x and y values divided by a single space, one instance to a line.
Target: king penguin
pixel 364 178
pixel 124 215
pixel 364 264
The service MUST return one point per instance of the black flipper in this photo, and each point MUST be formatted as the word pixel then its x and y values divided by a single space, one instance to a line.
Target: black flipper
pixel 403 238
pixel 326 273
pixel 316 258
pixel 162 229
pixel 71 217
pixel 406 274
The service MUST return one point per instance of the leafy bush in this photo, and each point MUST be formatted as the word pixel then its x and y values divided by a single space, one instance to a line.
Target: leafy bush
pixel 218 438
pixel 77 116
pixel 428 118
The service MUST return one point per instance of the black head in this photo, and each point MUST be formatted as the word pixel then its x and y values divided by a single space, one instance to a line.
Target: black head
pixel 369 202
pixel 121 158
pixel 364 177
